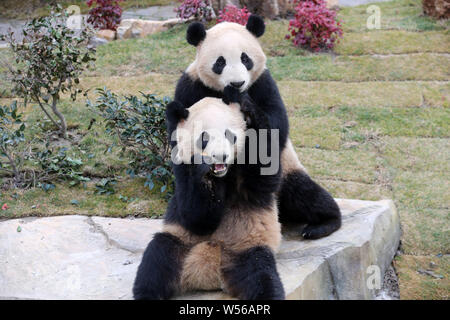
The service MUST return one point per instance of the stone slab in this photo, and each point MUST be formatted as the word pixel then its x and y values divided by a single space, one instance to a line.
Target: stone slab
pixel 79 257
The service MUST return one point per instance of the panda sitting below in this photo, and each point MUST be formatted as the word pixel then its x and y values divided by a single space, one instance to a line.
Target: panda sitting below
pixel 221 227
pixel 231 64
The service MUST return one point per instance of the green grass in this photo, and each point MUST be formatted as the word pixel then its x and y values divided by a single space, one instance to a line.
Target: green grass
pixel 166 52
pixel 398 15
pixel 36 202
pixel 394 42
pixel 367 94
pixel 323 67
pixel 369 121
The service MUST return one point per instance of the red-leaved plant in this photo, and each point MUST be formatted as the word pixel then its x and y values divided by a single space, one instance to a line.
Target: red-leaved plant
pixel 315 26
pixel 106 15
pixel 198 9
pixel 231 13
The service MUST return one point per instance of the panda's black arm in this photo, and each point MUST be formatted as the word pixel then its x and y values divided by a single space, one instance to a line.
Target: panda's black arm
pixel 189 91
pixel 199 200
pixel 268 106
pixel 264 109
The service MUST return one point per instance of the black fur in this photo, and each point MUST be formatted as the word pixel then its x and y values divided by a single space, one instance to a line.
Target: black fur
pixel 158 274
pixel 230 136
pixel 203 140
pixel 175 112
pixel 247 61
pixel 189 91
pixel 255 25
pixel 198 203
pixel 253 275
pixel 219 65
pixel 302 200
pixel 195 33
pixel 231 95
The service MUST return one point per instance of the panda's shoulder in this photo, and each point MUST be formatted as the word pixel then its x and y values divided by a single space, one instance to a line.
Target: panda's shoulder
pixel 264 87
pixel 265 79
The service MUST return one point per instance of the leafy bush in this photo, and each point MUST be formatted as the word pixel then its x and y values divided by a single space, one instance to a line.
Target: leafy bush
pixel 11 135
pixel 49 61
pixel 197 9
pixel 57 165
pixel 315 26
pixel 232 13
pixel 141 128
pixel 17 153
pixel 106 186
pixel 106 15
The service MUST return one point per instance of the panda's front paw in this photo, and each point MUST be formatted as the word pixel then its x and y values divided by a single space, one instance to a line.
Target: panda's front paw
pixel 248 109
pixel 200 166
pixel 231 95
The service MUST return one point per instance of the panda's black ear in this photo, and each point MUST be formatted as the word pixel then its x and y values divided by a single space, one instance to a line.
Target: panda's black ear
pixel 255 25
pixel 195 33
pixel 176 112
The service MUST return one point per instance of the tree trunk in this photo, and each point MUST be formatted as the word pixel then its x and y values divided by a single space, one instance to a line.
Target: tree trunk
pixel 62 120
pixel 12 164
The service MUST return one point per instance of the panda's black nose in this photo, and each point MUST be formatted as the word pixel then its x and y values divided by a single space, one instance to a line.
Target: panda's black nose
pixel 237 85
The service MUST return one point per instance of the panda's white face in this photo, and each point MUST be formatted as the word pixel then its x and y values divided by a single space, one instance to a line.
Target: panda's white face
pixel 213 133
pixel 217 147
pixel 229 55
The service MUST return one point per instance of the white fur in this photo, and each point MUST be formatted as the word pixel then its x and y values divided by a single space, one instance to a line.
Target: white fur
pixel 229 40
pixel 215 117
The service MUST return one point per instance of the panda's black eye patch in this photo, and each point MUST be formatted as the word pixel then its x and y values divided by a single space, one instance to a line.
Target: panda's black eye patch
pixel 203 140
pixel 246 61
pixel 219 65
pixel 230 136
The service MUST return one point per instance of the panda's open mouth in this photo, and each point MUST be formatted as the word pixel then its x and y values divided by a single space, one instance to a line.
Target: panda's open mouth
pixel 219 169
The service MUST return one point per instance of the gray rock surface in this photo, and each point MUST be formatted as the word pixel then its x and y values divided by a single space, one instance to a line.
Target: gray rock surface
pixel 79 257
pixel 151 13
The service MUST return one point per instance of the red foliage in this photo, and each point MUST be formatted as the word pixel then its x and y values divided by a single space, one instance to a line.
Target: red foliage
pixel 106 15
pixel 315 26
pixel 232 13
pixel 199 9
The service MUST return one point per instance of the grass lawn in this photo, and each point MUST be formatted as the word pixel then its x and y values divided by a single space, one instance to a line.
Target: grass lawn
pixel 370 121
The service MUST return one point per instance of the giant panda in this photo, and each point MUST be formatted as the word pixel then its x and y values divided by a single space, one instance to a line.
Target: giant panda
pixel 221 227
pixel 231 64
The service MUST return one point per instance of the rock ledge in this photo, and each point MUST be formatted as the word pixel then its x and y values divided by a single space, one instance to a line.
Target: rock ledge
pixel 79 257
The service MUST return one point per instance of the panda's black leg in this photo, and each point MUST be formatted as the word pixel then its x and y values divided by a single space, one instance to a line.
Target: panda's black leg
pixel 301 200
pixel 252 275
pixel 158 274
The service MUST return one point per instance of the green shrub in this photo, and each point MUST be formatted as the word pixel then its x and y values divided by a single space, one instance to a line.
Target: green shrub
pixel 27 165
pixel 49 62
pixel 57 165
pixel 139 124
pixel 11 135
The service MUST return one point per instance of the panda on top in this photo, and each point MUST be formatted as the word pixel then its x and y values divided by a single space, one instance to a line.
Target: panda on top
pixel 221 227
pixel 230 64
